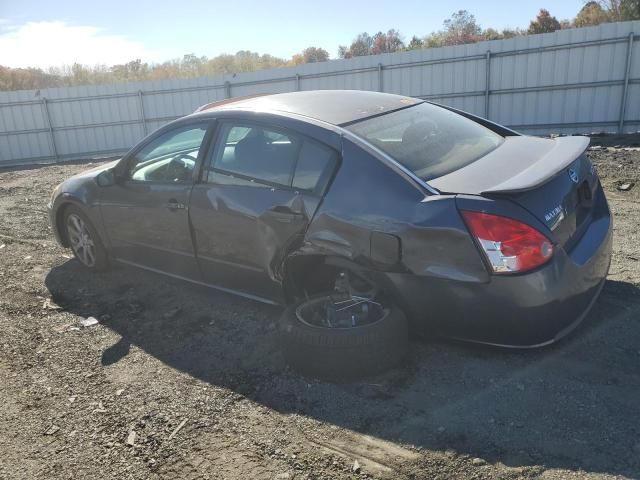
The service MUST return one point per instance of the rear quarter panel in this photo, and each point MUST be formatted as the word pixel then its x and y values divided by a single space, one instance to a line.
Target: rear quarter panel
pixel 368 196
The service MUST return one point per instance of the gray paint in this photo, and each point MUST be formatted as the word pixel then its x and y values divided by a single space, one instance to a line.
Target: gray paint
pixel 242 239
pixel 520 163
pixel 337 107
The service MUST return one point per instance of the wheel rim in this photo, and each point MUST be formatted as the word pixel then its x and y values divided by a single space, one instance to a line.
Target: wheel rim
pixel 81 241
pixel 326 312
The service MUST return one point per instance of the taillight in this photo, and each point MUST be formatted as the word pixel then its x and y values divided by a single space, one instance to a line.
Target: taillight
pixel 510 246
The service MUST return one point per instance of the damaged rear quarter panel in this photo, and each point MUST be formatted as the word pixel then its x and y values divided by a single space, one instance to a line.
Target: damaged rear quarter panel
pixel 369 196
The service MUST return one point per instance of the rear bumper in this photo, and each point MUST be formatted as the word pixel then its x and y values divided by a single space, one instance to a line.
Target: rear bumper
pixel 522 311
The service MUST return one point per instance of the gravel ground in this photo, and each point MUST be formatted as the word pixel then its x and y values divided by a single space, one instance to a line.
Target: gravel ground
pixel 177 381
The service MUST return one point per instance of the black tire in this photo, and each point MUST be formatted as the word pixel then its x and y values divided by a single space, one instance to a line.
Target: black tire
pixel 101 257
pixel 344 354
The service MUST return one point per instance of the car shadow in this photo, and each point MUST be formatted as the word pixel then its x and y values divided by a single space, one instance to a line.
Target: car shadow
pixel 573 405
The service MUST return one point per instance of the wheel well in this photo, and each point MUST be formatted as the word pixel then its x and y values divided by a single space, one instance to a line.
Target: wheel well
pixel 62 232
pixel 306 275
pixel 313 274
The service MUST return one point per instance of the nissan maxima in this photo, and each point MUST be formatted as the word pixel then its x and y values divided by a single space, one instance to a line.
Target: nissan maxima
pixel 370 216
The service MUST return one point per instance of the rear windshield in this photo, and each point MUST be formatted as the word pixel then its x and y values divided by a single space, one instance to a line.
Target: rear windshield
pixel 430 141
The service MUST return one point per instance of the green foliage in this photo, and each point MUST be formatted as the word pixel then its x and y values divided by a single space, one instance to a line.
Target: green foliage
pixel 314 55
pixel 415 43
pixel 621 10
pixel 387 42
pixel 365 44
pixel 630 10
pixel 544 23
pixel 190 66
pixel 461 28
pixel 591 14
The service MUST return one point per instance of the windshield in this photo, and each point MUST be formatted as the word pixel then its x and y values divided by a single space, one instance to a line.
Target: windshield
pixel 429 140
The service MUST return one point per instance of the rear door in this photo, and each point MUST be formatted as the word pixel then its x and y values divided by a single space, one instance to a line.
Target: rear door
pixel 146 214
pixel 259 189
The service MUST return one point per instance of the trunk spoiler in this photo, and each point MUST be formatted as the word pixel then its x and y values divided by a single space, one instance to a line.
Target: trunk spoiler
pixel 563 154
pixel 521 163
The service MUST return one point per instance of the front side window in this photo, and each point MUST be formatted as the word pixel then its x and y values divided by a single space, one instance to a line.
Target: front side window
pixel 429 140
pixel 169 158
pixel 253 155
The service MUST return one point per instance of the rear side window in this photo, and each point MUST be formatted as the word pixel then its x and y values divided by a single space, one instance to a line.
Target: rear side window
pixel 429 140
pixel 256 153
pixel 253 155
pixel 315 164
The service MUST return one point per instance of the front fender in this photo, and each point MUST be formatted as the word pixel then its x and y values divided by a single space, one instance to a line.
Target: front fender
pixel 91 210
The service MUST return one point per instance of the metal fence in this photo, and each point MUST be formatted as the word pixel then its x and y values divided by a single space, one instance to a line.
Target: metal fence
pixel 571 81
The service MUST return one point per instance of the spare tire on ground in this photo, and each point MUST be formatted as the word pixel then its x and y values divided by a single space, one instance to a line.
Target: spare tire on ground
pixel 368 340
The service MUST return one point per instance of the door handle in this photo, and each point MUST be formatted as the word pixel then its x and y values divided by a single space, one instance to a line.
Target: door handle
pixel 282 209
pixel 284 214
pixel 175 205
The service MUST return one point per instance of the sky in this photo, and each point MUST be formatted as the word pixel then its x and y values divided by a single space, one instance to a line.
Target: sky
pixel 60 32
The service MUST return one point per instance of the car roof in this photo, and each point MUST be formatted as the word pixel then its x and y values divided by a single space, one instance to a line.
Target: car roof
pixel 337 107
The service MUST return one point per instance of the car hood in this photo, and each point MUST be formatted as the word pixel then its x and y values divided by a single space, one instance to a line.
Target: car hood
pixel 78 178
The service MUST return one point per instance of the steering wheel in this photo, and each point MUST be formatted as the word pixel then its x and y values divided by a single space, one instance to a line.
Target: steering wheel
pixel 180 166
pixel 181 156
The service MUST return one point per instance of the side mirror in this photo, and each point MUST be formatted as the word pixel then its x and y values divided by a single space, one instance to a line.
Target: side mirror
pixel 107 178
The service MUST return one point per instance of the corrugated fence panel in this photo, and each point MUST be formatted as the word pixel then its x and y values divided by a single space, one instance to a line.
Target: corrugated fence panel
pixel 570 81
pixel 32 146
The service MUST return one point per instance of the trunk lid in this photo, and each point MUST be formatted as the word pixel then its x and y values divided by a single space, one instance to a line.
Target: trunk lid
pixel 551 178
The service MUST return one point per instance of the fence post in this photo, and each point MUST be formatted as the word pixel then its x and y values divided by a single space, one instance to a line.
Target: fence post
pixel 50 127
pixel 297 82
pixel 380 86
pixel 487 82
pixel 143 119
pixel 227 89
pixel 625 88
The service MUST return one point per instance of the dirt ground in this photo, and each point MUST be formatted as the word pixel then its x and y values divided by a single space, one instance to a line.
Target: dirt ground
pixel 177 381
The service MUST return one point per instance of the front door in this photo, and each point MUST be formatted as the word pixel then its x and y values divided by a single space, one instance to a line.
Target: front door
pixel 146 214
pixel 260 187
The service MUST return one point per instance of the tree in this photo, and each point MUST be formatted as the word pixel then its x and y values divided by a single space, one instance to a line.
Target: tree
pixel 79 74
pixel 491 34
pixel 435 39
pixel 314 55
pixel 512 32
pixel 461 28
pixel 360 46
pixel 343 52
pixel 27 79
pixel 296 59
pixel 415 43
pixel 621 10
pixel 566 23
pixel 630 9
pixel 192 66
pixel 387 42
pixel 591 14
pixel 544 23
pixel 223 63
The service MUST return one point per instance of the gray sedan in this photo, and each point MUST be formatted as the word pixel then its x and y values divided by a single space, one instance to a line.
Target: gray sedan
pixel 368 215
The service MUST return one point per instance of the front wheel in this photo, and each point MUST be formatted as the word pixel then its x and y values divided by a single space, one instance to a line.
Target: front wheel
pixel 341 341
pixel 84 240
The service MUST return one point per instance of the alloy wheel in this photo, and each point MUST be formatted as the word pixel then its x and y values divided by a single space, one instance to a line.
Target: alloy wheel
pixel 81 241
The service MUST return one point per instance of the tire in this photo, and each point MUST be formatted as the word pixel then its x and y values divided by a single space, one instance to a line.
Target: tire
pixel 343 354
pixel 74 220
